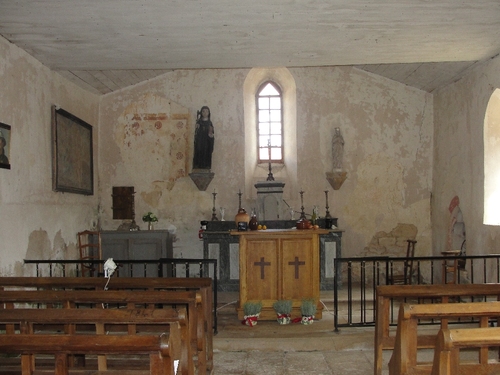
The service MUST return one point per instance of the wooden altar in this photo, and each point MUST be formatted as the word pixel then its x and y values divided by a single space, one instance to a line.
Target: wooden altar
pixel 277 265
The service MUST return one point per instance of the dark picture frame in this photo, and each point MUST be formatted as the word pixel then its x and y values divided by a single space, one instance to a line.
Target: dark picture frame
pixel 72 154
pixel 4 146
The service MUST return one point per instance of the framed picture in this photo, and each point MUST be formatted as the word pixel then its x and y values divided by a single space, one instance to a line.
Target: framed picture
pixel 4 146
pixel 72 154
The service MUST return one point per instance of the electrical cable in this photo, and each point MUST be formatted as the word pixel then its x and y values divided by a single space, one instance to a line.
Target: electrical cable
pixel 227 304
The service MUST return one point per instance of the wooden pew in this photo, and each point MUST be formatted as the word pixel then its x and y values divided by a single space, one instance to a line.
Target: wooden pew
pixel 87 299
pixel 386 293
pixel 203 333
pixel 25 340
pixel 408 340
pixel 447 351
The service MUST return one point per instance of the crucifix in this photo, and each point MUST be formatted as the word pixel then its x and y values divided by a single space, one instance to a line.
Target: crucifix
pixel 262 264
pixel 296 263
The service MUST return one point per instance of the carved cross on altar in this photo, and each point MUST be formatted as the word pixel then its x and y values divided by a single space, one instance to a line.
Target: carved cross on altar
pixel 262 264
pixel 296 263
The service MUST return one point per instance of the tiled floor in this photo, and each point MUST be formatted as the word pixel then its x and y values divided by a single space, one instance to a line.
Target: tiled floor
pixel 294 349
pixel 294 363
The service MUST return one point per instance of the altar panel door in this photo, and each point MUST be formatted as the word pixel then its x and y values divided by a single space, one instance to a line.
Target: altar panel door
pixel 262 270
pixel 298 269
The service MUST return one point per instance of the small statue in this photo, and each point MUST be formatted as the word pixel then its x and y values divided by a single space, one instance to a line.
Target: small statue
pixel 203 140
pixel 337 150
pixel 222 211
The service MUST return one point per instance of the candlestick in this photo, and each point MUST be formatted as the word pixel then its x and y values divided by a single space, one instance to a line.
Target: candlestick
pixel 327 215
pixel 302 214
pixel 214 215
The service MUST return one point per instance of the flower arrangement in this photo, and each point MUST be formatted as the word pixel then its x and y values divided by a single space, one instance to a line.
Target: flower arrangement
pixel 150 218
pixel 283 309
pixel 252 311
pixel 308 309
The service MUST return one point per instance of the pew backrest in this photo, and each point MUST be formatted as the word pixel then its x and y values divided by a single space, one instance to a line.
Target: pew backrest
pixel 86 301
pixel 385 295
pixel 408 339
pixel 449 343
pixel 162 348
pixel 201 330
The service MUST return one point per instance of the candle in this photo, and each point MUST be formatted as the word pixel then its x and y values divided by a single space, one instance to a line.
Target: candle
pixel 269 148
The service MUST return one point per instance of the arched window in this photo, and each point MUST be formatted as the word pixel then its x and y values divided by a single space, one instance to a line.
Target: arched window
pixel 491 157
pixel 286 170
pixel 269 123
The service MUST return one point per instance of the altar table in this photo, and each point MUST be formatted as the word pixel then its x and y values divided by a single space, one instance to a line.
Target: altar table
pixel 279 265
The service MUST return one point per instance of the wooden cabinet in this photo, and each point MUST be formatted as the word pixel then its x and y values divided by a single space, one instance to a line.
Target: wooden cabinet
pixel 279 264
pixel 137 245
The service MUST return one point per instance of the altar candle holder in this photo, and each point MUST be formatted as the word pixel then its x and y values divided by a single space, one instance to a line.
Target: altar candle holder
pixel 214 215
pixel 327 214
pixel 328 217
pixel 302 213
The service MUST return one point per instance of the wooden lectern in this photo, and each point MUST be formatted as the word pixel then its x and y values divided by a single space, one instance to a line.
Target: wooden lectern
pixel 279 265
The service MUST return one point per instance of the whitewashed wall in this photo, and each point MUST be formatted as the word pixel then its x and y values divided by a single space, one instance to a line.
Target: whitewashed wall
pixel 387 129
pixel 459 112
pixel 37 222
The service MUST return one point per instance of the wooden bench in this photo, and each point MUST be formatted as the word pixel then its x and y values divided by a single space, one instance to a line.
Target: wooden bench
pixel 385 294
pixel 203 332
pixel 408 339
pixel 451 341
pixel 94 299
pixel 21 337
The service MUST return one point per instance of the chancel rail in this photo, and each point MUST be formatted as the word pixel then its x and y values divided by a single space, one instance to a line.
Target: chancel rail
pixel 362 275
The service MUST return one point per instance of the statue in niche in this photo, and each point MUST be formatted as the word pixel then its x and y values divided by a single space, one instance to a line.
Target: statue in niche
pixel 337 150
pixel 203 140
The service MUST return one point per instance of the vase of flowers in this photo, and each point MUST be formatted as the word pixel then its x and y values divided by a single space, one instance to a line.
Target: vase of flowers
pixel 150 218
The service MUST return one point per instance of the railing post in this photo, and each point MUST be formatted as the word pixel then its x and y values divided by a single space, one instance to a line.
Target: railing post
pixel 335 299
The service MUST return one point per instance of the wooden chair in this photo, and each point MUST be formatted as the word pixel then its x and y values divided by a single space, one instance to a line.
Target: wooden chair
pixel 407 275
pixel 89 244
pixel 450 266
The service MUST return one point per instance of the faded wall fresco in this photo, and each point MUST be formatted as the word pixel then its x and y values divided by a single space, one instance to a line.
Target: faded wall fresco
pixel 154 132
